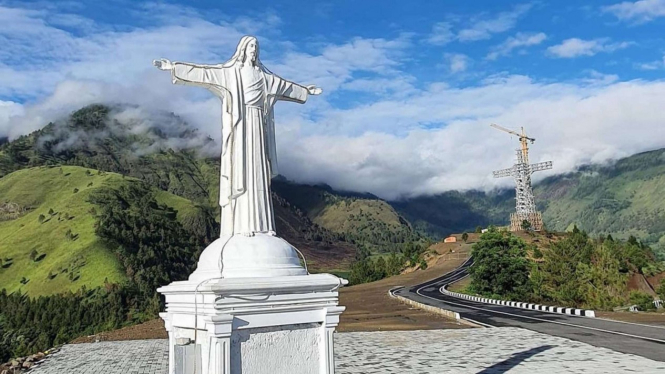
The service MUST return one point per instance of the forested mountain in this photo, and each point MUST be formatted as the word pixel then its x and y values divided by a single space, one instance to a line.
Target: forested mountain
pixel 622 199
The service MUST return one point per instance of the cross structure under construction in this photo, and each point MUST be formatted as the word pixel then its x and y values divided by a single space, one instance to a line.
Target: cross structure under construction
pixel 525 209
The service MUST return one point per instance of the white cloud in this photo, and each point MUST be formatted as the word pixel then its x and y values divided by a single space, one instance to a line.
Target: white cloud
pixel 574 123
pixel 479 27
pixel 415 138
pixel 520 40
pixel 457 62
pixel 638 11
pixel 484 28
pixel 653 65
pixel 441 34
pixel 575 47
pixel 64 72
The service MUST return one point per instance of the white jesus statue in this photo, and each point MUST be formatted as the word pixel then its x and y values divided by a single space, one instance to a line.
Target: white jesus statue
pixel 248 92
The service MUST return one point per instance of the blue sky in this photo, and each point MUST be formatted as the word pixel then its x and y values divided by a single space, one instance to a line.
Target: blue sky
pixel 409 87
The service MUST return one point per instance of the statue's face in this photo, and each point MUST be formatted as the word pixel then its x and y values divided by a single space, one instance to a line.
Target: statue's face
pixel 250 51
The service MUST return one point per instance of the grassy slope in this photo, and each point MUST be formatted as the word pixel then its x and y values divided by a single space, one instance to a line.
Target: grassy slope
pixel 364 216
pixel 44 188
pixel 337 217
pixel 623 199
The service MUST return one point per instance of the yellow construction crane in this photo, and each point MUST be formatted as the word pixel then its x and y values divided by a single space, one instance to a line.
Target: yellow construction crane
pixel 523 139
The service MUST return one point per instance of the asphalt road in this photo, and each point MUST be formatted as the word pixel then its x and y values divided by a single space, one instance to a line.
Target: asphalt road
pixel 642 340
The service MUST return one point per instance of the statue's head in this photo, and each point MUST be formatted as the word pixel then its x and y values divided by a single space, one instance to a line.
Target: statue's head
pixel 247 50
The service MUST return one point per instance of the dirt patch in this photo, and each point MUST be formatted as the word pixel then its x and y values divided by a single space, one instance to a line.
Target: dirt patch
pixel 637 282
pixel 648 318
pixel 369 308
pixel 655 280
pixel 149 330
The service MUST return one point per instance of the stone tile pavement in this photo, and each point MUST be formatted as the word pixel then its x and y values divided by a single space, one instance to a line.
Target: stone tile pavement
pixel 482 351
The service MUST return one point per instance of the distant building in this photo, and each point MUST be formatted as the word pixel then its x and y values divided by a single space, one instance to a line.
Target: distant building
pixel 450 239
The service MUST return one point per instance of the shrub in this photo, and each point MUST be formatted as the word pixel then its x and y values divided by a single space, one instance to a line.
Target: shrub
pixel 643 300
pixel 661 289
pixel 537 253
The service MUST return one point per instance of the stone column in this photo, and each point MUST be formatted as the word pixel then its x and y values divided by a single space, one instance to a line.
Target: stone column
pixel 169 329
pixel 327 342
pixel 217 359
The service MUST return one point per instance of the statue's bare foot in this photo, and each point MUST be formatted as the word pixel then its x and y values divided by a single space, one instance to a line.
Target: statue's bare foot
pixel 248 234
pixel 272 233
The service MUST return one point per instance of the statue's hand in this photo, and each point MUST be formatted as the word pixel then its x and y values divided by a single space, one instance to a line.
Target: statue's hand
pixel 313 90
pixel 162 64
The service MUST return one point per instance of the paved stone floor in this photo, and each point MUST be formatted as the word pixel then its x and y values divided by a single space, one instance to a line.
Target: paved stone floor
pixel 485 351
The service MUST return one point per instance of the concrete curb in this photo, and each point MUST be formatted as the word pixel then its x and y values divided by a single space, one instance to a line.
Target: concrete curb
pixel 515 304
pixel 429 308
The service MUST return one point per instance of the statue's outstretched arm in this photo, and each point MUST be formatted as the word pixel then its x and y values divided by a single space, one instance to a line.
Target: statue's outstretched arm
pixel 289 91
pixel 192 74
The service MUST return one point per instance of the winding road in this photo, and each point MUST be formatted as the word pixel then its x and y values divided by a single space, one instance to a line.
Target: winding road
pixel 642 340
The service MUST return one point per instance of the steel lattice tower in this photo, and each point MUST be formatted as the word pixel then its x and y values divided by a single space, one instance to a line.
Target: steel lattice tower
pixel 525 206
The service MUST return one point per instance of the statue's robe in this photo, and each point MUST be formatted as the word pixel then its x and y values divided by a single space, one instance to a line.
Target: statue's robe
pixel 249 156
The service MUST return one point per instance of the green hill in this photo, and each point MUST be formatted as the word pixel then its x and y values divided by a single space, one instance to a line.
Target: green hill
pixel 454 212
pixel 61 252
pixel 95 138
pixel 98 137
pixel 62 262
pixel 622 199
pixel 361 219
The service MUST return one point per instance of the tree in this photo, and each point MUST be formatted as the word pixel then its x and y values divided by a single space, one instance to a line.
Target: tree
pixel 76 190
pixel 33 254
pixel 526 225
pixel 661 289
pixel 41 218
pixel 479 229
pixel 500 266
pixel 601 283
pixel 560 268
pixel 465 237
pixel 394 264
pixel 50 211
pixel 380 266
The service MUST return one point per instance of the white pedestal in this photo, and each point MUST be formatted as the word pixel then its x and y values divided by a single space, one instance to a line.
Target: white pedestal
pixel 257 325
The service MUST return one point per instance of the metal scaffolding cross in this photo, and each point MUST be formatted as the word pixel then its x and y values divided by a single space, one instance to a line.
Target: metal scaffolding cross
pixel 525 209
pixel 522 171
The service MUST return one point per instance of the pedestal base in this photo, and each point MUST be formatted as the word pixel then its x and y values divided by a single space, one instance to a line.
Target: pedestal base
pixel 253 325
